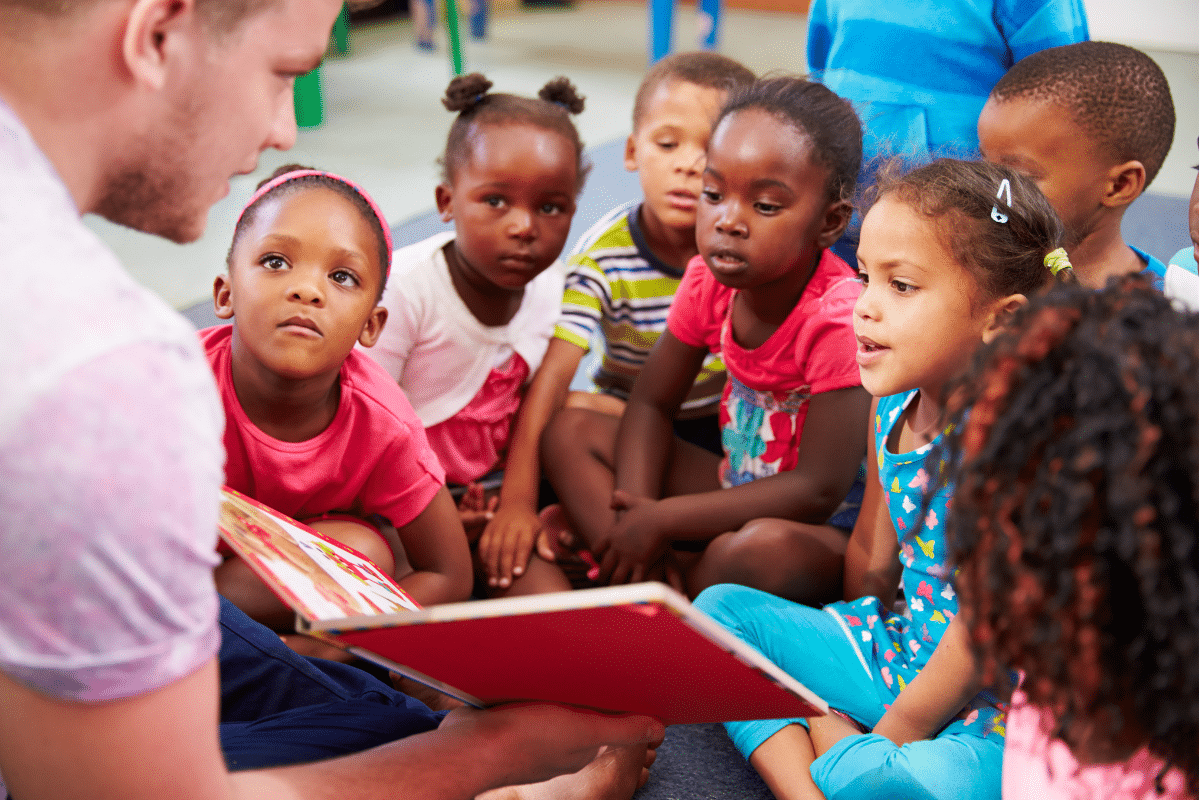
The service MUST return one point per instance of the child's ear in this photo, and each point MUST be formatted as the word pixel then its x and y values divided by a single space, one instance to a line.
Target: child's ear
pixel 837 217
pixel 223 297
pixel 631 154
pixel 1125 184
pixel 1000 313
pixel 373 327
pixel 444 195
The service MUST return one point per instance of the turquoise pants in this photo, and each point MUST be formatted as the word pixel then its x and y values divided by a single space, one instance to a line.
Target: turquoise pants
pixel 811 645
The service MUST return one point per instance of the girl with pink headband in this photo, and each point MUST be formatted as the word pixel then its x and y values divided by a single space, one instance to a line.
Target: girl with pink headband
pixel 314 428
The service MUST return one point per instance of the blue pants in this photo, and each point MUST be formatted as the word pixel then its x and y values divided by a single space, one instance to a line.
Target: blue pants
pixel 280 708
pixel 810 645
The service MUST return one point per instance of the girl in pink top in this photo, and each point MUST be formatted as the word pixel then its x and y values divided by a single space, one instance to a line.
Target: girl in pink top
pixel 1075 521
pixel 315 429
pixel 767 294
pixel 472 311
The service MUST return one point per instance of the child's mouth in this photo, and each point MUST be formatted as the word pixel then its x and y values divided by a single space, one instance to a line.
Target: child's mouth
pixel 869 351
pixel 725 261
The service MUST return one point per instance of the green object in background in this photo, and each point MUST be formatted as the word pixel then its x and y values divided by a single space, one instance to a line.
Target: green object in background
pixel 307 95
pixel 341 31
pixel 455 42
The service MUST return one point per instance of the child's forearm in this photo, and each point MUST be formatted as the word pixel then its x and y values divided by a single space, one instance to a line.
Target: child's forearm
pixel 644 439
pixel 546 394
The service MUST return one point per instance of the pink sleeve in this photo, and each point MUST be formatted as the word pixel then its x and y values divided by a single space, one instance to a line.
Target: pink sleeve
pixel 695 318
pixel 828 346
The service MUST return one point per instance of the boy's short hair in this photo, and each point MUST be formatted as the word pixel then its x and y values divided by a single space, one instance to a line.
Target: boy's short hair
pixel 1117 95
pixel 712 70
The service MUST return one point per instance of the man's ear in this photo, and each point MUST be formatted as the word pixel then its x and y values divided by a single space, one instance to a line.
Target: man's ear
pixel 444 196
pixel 223 297
pixel 151 29
pixel 837 217
pixel 373 327
pixel 630 154
pixel 1001 311
pixel 1125 183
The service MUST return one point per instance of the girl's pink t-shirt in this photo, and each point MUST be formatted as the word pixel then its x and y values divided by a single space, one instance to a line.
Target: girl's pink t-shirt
pixel 1037 767
pixel 372 459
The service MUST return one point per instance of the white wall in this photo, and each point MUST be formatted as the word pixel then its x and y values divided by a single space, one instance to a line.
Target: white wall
pixel 1161 24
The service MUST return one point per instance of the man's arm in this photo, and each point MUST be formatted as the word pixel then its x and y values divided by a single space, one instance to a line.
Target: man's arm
pixel 164 743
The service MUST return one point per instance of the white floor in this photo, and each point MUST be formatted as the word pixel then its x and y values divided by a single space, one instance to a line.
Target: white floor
pixel 384 125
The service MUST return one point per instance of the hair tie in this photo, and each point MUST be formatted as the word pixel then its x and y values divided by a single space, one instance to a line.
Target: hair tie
pixel 1057 261
pixel 1006 191
pixel 288 177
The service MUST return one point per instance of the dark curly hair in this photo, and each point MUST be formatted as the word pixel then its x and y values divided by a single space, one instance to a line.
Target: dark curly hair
pixel 1117 95
pixel 476 106
pixel 828 121
pixel 1074 521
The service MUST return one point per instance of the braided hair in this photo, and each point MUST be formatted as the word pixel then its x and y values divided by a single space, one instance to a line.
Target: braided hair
pixel 1075 509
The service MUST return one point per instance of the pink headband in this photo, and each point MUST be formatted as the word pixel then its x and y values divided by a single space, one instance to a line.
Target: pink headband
pixel 288 177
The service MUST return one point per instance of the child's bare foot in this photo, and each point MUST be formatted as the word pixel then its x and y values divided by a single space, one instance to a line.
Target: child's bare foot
pixel 615 774
pixel 576 561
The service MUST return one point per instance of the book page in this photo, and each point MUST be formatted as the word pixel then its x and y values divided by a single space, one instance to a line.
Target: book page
pixel 321 579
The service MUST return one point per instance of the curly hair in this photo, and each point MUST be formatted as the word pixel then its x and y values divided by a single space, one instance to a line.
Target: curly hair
pixel 469 96
pixel 1074 516
pixel 1117 95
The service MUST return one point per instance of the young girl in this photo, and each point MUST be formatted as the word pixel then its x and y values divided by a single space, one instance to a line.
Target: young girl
pixel 776 304
pixel 471 312
pixel 314 429
pixel 1075 532
pixel 946 253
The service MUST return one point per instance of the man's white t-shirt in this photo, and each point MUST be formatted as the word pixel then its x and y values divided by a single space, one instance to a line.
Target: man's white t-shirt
pixel 110 457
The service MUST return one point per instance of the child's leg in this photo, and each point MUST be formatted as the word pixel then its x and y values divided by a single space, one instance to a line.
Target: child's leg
pixel 596 401
pixel 578 458
pixel 539 577
pixel 239 584
pixel 360 536
pixel 789 559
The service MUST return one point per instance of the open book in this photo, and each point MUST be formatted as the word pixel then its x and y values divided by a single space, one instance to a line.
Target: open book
pixel 641 648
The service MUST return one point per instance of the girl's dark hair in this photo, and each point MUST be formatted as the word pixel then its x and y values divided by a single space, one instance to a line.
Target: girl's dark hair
pixel 825 119
pixel 476 107
pixel 1003 257
pixel 1075 509
pixel 309 182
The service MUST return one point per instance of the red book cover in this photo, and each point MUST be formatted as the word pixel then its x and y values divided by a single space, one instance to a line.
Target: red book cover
pixel 641 648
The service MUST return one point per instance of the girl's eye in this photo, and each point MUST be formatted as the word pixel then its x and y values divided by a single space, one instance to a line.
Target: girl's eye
pixel 667 145
pixel 344 277
pixel 549 209
pixel 901 287
pixel 495 201
pixel 862 278
pixel 766 208
pixel 273 262
pixel 711 195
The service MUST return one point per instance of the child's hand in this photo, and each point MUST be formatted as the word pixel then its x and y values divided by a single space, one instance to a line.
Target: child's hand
pixel 635 542
pixel 474 511
pixel 506 544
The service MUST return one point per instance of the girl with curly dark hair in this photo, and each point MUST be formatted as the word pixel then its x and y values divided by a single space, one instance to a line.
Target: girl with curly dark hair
pixel 1074 525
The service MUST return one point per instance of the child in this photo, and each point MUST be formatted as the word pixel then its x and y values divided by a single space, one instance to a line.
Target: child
pixel 622 285
pixel 314 429
pixel 766 294
pixel 1091 123
pixel 1075 531
pixel 943 260
pixel 471 312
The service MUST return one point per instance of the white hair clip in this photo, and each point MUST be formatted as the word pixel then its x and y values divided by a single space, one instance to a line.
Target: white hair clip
pixel 1004 191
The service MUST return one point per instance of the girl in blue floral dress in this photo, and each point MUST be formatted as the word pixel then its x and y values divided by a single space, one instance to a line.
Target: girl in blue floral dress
pixel 946 253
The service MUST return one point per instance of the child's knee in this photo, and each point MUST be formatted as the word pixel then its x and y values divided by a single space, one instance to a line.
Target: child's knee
pixel 572 431
pixel 788 559
pixel 944 768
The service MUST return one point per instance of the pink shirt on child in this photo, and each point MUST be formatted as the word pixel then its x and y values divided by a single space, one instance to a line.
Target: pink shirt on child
pixel 765 401
pixel 372 459
pixel 1037 767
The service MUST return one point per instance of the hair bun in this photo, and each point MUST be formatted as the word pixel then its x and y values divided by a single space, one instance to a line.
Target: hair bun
pixel 465 92
pixel 562 92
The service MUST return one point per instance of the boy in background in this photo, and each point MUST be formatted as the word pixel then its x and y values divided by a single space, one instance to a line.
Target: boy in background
pixel 1091 124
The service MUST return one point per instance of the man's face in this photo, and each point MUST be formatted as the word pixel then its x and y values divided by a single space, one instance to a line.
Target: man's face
pixel 226 98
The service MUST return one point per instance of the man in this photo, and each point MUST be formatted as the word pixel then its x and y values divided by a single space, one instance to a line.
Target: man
pixel 110 459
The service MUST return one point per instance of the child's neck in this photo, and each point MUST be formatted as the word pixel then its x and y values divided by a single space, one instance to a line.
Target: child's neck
pixel 1103 254
pixel 758 311
pixel 286 409
pixel 674 247
pixel 492 305
pixel 922 422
